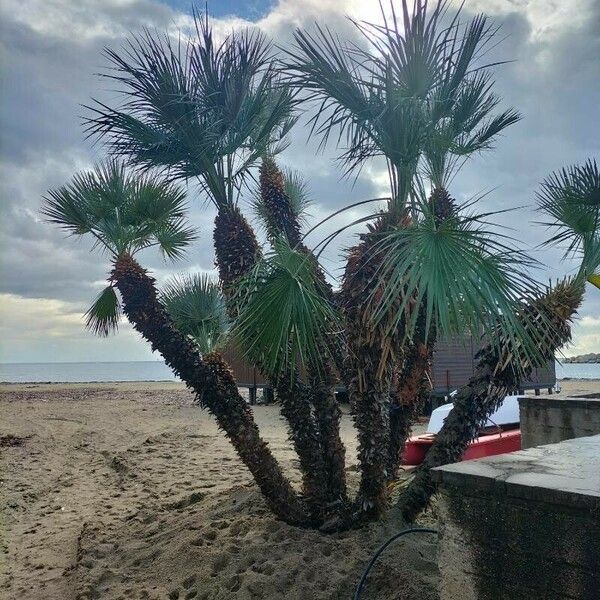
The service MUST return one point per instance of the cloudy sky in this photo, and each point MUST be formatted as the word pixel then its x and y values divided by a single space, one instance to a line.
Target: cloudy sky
pixel 52 50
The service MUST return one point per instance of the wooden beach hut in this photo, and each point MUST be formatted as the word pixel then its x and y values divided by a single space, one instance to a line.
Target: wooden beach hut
pixel 453 365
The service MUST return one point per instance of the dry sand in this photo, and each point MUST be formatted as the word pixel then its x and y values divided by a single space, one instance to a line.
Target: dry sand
pixel 122 491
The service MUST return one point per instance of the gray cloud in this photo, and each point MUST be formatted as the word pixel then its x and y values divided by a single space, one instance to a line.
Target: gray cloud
pixel 53 51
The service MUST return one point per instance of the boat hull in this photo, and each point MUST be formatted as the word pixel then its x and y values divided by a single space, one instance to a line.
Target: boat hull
pixel 485 445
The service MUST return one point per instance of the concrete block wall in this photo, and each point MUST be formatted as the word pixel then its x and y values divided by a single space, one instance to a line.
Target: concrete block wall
pixel 550 419
pixel 524 525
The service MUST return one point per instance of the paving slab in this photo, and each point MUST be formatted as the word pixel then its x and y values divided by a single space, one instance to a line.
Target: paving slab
pixel 566 473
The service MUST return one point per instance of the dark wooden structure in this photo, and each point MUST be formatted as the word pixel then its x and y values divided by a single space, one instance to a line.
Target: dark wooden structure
pixel 453 365
pixel 454 362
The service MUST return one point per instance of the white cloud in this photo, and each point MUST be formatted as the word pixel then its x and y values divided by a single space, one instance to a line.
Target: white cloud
pixel 49 330
pixel 586 337
pixel 547 18
pixel 85 20
pixel 54 50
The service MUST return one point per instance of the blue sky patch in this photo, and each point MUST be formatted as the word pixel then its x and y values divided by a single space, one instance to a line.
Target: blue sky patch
pixel 251 10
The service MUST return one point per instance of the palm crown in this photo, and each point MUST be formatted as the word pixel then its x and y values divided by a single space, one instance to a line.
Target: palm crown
pixel 199 109
pixel 197 307
pixel 571 198
pixel 124 213
pixel 418 94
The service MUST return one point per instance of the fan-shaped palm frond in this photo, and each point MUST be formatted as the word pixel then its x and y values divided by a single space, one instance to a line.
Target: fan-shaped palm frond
pixel 123 212
pixel 197 108
pixel 196 305
pixel 417 91
pixel 467 277
pixel 469 126
pixel 103 316
pixel 297 190
pixel 571 198
pixel 284 321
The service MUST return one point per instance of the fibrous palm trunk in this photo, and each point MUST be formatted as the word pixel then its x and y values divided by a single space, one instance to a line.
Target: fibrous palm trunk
pixel 495 376
pixel 279 214
pixel 236 247
pixel 237 251
pixel 293 396
pixel 410 389
pixel 413 375
pixel 371 358
pixel 211 380
pixel 328 416
pixel 281 219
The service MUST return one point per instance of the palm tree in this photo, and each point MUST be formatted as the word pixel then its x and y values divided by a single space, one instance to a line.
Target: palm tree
pixel 210 111
pixel 419 96
pixel 124 214
pixel 571 198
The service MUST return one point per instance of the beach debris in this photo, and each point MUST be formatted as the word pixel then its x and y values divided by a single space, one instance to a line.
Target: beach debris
pixel 9 440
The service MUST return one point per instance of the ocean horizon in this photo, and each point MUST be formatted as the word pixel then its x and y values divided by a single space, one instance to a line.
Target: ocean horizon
pixel 156 370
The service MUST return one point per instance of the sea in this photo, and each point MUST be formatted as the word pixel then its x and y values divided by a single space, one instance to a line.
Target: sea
pixel 73 372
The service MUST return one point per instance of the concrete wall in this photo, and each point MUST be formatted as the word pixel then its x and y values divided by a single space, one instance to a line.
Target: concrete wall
pixel 524 525
pixel 549 419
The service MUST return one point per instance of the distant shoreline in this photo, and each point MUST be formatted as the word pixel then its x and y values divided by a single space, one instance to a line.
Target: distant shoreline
pixel 583 359
pixel 167 382
pixel 146 373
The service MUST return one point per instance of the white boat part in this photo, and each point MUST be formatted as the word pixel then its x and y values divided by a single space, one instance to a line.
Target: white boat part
pixel 506 414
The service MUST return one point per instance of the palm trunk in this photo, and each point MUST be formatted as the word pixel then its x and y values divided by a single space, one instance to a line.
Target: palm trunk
pixel 279 214
pixel 411 386
pixel 369 398
pixel 328 416
pixel 495 376
pixel 371 368
pixel 237 251
pixel 409 393
pixel 211 380
pixel 236 247
pixel 296 409
pixel 282 219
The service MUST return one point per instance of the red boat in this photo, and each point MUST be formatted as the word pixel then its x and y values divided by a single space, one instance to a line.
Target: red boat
pixel 501 434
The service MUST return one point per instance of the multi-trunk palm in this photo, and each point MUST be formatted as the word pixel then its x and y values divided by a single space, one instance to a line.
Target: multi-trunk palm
pixel 417 93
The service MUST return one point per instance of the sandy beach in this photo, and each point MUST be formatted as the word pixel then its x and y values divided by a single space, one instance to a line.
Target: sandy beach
pixel 118 491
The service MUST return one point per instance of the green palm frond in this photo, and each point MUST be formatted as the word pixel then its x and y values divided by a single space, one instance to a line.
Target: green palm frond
pixel 284 321
pixel 103 316
pixel 122 212
pixel 173 238
pixel 470 126
pixel 468 277
pixel 197 307
pixel 197 108
pixel 297 190
pixel 416 92
pixel 571 198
